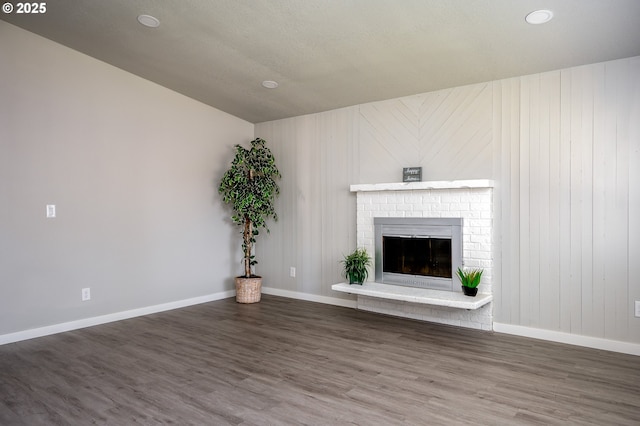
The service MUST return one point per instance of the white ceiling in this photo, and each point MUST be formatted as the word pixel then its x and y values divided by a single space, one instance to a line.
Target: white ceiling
pixel 327 54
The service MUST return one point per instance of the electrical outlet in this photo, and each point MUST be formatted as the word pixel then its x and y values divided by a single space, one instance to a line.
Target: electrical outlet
pixel 86 294
pixel 292 272
pixel 638 308
pixel 51 211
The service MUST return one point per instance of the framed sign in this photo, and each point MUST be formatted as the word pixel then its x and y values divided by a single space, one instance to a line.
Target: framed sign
pixel 412 174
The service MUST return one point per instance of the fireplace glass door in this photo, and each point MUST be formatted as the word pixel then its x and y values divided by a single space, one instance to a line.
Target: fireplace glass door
pixel 422 256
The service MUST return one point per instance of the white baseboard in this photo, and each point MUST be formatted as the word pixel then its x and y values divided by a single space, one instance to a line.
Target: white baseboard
pixel 310 297
pixel 535 333
pixel 103 319
pixel 570 339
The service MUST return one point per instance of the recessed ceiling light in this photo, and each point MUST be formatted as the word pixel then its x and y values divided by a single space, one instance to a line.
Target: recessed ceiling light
pixel 148 21
pixel 270 84
pixel 539 16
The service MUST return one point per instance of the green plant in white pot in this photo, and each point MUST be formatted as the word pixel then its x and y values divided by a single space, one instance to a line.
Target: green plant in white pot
pixel 250 187
pixel 355 266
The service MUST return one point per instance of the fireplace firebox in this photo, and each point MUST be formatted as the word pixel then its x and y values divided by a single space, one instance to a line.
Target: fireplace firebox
pixel 418 252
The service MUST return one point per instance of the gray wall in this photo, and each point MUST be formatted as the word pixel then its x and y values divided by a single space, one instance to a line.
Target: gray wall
pixel 132 168
pixel 564 150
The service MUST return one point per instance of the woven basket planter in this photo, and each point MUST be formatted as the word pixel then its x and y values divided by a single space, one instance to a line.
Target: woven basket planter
pixel 248 290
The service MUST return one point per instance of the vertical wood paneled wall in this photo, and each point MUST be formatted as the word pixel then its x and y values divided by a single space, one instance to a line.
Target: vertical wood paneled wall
pixel 569 208
pixel 563 149
pixel 318 160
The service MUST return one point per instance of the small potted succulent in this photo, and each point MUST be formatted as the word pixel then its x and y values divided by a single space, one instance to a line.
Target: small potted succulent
pixel 470 280
pixel 355 266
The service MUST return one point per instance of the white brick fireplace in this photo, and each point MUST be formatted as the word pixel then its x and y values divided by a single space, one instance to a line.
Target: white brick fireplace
pixel 470 200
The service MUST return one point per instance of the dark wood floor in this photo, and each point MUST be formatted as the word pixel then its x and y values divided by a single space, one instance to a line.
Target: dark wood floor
pixel 286 361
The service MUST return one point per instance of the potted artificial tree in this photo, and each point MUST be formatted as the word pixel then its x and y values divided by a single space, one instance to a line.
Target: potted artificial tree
pixel 250 187
pixel 355 266
pixel 470 280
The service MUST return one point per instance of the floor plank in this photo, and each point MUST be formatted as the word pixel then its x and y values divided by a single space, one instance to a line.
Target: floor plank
pixel 286 361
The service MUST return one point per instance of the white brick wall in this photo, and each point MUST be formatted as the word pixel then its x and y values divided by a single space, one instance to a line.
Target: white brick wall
pixel 480 319
pixel 474 205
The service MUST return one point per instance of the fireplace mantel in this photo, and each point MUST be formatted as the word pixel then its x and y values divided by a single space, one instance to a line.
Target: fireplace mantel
pixel 411 186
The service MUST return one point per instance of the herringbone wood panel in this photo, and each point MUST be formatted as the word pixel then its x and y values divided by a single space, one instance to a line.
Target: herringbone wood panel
pixel 285 361
pixel 448 133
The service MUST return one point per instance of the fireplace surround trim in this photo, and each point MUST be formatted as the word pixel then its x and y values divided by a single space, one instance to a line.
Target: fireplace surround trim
pixel 418 227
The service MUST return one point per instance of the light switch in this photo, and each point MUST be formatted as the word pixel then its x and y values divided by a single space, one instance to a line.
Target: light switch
pixel 51 211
